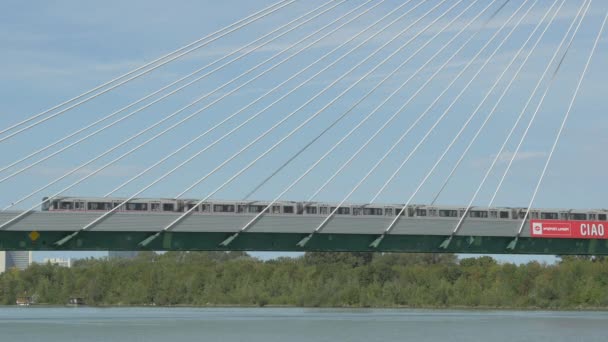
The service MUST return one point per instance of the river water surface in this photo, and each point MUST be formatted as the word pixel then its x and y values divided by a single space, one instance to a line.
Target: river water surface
pixel 293 324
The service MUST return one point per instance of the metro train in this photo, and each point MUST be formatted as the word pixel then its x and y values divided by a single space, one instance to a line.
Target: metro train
pixel 217 207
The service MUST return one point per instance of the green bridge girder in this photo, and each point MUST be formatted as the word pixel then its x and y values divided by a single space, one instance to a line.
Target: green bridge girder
pixel 210 241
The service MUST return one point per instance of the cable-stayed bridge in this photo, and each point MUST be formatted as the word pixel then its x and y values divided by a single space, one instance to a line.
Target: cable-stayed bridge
pixel 339 97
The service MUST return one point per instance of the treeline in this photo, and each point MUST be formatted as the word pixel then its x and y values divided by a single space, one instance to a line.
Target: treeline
pixel 315 280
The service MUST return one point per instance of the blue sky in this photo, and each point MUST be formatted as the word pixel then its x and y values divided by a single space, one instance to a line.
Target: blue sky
pixel 55 50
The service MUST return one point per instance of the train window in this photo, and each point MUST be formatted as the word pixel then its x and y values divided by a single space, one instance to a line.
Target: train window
pixel 504 214
pixel 534 214
pixel 241 208
pixel 206 208
pixel 493 214
pixel 98 206
pixel 190 206
pixel 223 208
pixel 357 211
pixel 311 210
pixel 256 208
pixel 549 216
pixel 410 212
pixel 578 216
pixel 420 212
pixel 388 212
pixel 78 205
pixel 372 211
pixel 601 217
pixel 276 209
pixel 432 212
pixel 522 214
pixel 137 206
pixel 66 205
pixel 592 217
pixel 288 209
pixel 478 213
pixel 341 210
pixel 155 206
pixel 55 205
pixel 168 207
pixel 323 210
pixel 448 213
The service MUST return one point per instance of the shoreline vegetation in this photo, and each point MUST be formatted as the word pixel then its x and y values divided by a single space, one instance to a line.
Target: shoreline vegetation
pixel 331 280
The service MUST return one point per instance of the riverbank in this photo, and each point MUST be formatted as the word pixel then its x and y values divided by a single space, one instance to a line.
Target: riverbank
pixel 316 280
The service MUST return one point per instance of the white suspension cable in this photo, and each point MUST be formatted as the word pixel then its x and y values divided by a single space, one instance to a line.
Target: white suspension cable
pixel 446 243
pixel 376 243
pixel 561 129
pixel 473 140
pixel 2 139
pixel 310 101
pixel 141 67
pixel 55 143
pixel 279 86
pixel 530 122
pixel 67 238
pixel 366 118
pixel 185 214
pixel 418 91
pixel 337 120
pixel 163 120
pixel 320 226
pixel 449 108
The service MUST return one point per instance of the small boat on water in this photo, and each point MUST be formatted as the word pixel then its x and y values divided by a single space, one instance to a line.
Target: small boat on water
pixel 76 301
pixel 24 301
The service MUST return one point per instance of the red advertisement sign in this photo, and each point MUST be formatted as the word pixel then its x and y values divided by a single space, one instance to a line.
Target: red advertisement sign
pixel 568 229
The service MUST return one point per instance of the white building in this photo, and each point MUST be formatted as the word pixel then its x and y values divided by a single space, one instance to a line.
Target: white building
pixel 15 259
pixel 59 262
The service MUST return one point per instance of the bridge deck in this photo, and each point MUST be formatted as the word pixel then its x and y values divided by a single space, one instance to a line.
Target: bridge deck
pixel 125 231
pixel 153 222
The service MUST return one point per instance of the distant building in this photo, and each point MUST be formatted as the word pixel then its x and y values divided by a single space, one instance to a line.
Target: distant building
pixel 59 262
pixel 122 254
pixel 15 259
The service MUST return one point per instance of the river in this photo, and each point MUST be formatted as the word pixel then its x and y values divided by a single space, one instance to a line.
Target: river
pixel 293 324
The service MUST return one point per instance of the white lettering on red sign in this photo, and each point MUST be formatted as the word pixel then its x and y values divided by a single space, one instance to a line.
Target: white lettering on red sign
pixel 568 229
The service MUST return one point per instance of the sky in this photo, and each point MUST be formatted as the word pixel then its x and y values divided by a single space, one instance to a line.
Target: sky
pixel 53 51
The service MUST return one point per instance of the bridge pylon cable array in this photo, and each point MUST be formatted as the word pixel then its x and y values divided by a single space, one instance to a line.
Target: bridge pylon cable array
pixel 4 225
pixel 483 101
pixel 468 148
pixel 388 229
pixel 469 206
pixel 559 133
pixel 339 119
pixel 190 105
pixel 241 171
pixel 304 125
pixel 530 122
pixel 180 122
pixel 265 109
pixel 246 53
pixel 159 62
pixel 367 117
pixel 440 119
